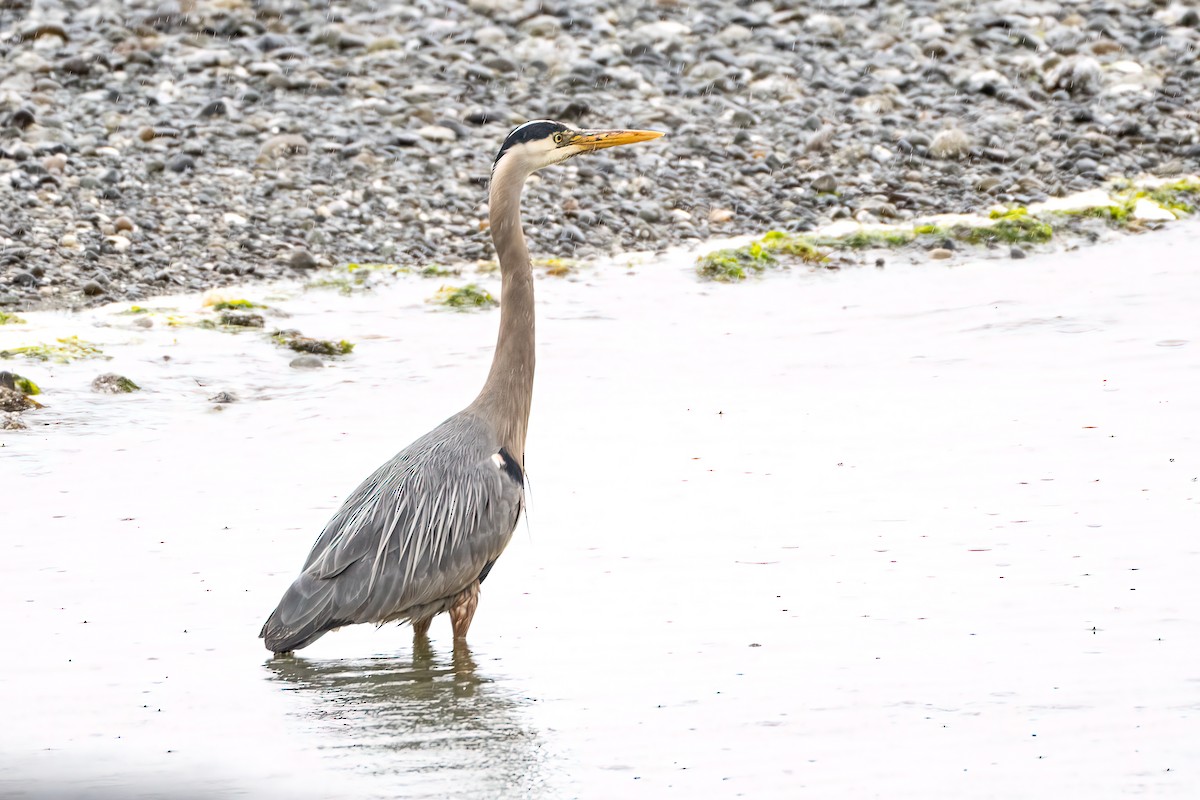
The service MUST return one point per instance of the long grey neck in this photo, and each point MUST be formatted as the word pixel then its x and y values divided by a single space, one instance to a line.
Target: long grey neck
pixel 508 391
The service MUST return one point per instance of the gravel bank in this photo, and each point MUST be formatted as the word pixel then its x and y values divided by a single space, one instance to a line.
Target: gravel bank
pixel 149 147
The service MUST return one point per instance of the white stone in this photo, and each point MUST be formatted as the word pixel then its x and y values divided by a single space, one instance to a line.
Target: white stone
pixel 950 143
pixel 437 133
pixel 825 25
pixel 662 31
pixel 1127 67
pixel 1147 210
pixel 1093 198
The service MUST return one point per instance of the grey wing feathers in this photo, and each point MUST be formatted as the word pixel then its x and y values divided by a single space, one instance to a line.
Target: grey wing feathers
pixel 420 529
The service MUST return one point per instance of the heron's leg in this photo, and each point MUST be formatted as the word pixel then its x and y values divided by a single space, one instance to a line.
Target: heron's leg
pixel 421 628
pixel 463 610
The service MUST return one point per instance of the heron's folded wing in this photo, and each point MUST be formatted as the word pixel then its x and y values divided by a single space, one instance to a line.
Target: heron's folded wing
pixel 419 529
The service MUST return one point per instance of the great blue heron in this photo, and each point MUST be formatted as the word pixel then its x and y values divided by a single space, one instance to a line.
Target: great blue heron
pixel 420 534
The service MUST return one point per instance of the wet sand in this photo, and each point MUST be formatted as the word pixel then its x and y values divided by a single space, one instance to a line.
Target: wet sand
pixel 918 532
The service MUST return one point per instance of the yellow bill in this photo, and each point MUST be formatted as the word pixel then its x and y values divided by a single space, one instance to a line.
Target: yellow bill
pixel 596 140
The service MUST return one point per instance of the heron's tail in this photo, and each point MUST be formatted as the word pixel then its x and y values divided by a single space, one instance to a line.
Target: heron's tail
pixel 306 612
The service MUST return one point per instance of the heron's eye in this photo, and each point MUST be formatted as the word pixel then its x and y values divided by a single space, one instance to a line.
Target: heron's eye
pixel 558 138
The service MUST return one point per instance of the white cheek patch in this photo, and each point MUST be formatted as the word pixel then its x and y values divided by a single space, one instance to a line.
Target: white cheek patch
pixel 498 460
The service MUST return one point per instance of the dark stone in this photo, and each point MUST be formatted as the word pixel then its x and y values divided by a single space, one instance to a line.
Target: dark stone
pixel 76 66
pixel 481 116
pixel 21 118
pixel 181 163
pixel 93 289
pixel 271 41
pixel 1017 252
pixel 825 183
pixel 217 108
pixel 302 260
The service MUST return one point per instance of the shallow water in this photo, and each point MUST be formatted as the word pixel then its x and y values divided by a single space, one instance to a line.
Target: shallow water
pixel 918 532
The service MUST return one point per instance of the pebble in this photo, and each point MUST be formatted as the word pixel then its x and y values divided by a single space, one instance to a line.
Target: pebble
pixel 940 253
pixel 950 143
pixel 181 163
pixel 437 133
pixel 825 183
pixel 283 144
pixel 302 260
pixel 306 362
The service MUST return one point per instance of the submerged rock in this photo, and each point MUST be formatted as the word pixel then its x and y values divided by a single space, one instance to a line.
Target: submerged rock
pixel 242 319
pixel 294 340
pixel 112 383
pixel 14 393
pixel 307 362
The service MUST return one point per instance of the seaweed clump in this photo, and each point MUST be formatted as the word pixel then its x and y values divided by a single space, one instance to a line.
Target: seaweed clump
pixel 294 340
pixel 1011 227
pixel 738 263
pixel 1176 196
pixel 236 305
pixel 10 319
pixel 867 240
pixel 68 348
pixel 464 298
pixel 241 319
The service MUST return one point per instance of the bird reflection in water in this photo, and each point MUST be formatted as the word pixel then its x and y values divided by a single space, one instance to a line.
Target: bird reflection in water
pixel 437 726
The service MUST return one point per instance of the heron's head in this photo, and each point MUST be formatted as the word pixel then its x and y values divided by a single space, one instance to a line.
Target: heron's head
pixel 543 142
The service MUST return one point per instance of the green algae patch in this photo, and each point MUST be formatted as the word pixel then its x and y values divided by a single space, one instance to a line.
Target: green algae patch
pixel 738 263
pixel 235 305
pixel 359 271
pixel 25 386
pixel 867 240
pixel 1010 227
pixel 342 283
pixel 438 271
pixel 789 244
pixel 1180 196
pixel 294 340
pixel 10 319
pixel 66 349
pixel 464 298
pixel 1117 215
pixel 734 264
pixel 375 267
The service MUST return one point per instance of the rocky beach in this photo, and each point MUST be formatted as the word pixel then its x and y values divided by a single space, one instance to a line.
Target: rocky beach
pixel 164 147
